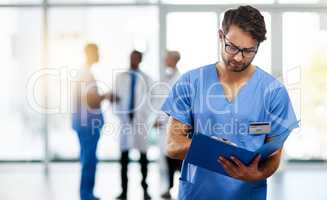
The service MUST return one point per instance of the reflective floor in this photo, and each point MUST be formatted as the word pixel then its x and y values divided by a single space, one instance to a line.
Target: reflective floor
pixel 28 182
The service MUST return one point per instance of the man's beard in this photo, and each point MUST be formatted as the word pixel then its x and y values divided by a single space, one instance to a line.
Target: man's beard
pixel 239 68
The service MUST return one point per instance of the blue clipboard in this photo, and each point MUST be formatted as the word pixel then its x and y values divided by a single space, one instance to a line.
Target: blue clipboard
pixel 205 151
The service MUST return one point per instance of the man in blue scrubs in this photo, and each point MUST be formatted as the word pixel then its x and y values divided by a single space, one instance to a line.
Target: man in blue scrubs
pixel 88 120
pixel 232 100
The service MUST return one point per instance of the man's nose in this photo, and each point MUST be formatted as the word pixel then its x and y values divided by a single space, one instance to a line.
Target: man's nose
pixel 238 57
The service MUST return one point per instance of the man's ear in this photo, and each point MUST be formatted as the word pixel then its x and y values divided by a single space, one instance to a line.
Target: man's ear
pixel 220 34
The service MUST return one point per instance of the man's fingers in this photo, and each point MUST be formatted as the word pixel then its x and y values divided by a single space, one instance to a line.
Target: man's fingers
pixel 275 152
pixel 256 161
pixel 237 162
pixel 229 167
pixel 226 168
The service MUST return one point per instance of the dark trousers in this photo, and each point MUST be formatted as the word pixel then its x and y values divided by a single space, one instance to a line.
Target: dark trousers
pixel 88 145
pixel 173 166
pixel 124 160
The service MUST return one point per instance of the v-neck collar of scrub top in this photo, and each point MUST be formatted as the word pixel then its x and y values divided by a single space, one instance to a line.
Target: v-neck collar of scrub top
pixel 241 90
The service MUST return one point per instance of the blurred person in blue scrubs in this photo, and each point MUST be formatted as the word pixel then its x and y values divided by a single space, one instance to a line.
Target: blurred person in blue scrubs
pixel 226 100
pixel 88 120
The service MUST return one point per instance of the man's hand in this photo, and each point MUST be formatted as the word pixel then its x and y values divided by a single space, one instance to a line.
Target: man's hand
pixel 158 124
pixel 177 141
pixel 238 170
pixel 112 97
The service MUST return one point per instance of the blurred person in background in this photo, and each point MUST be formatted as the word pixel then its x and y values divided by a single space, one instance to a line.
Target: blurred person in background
pixel 168 80
pixel 87 120
pixel 132 88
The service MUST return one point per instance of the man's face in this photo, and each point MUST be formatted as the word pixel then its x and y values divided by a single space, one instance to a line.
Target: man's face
pixel 237 39
pixel 96 56
pixel 92 55
pixel 170 61
pixel 135 60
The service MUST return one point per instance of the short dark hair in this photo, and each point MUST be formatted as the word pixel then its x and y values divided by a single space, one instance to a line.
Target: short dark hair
pixel 140 54
pixel 249 19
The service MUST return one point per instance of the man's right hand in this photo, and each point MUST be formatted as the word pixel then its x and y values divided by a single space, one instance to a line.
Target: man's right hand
pixel 158 124
pixel 112 97
pixel 177 142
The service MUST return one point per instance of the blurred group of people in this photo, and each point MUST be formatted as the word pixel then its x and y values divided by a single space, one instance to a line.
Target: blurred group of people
pixel 134 105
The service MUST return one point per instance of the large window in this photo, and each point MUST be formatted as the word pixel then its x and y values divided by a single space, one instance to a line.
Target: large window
pixel 117 31
pixel 195 36
pixel 300 33
pixel 21 44
pixel 305 47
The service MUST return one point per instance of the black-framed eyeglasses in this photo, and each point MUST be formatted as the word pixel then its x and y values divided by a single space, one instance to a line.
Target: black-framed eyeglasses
pixel 233 49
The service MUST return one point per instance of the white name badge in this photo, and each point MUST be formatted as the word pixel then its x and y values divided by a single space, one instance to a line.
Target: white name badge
pixel 257 128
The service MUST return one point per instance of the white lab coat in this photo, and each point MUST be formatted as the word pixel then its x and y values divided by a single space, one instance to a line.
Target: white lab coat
pixel 162 91
pixel 133 134
pixel 168 82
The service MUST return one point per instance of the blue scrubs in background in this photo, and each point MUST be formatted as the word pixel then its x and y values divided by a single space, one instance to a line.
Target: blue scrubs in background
pixel 197 99
pixel 87 124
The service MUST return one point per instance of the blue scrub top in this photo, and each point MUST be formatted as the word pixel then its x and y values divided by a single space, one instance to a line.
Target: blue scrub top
pixel 197 99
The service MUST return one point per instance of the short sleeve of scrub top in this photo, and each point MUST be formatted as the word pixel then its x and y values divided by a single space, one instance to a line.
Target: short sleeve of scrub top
pixel 179 101
pixel 282 117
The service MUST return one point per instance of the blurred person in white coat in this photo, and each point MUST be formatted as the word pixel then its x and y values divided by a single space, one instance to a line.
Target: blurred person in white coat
pixel 132 87
pixel 168 80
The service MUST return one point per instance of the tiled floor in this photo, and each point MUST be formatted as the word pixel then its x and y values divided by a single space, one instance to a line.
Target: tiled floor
pixel 28 182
